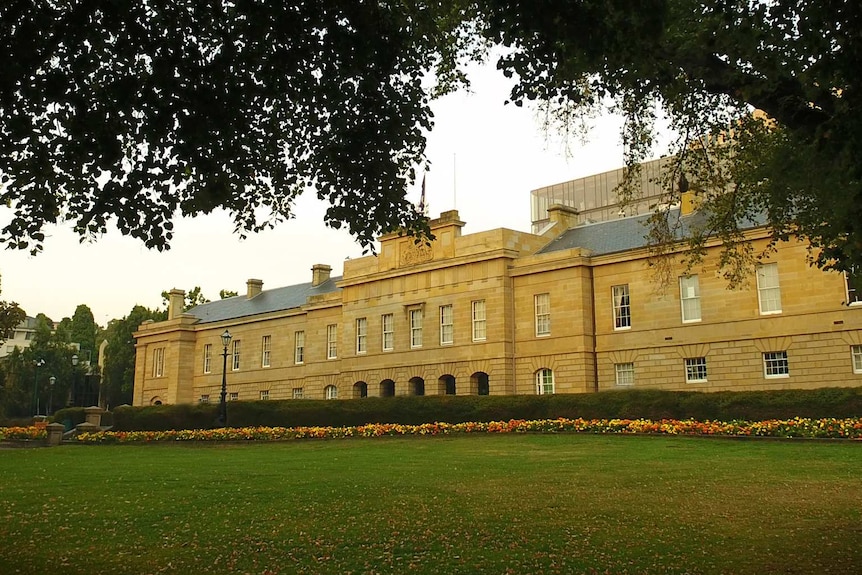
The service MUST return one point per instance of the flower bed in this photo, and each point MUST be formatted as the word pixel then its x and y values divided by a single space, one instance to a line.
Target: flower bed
pixel 798 427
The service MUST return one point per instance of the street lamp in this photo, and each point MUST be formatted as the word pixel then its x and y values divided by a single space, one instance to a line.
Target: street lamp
pixel 37 363
pixel 222 408
pixel 73 393
pixel 52 380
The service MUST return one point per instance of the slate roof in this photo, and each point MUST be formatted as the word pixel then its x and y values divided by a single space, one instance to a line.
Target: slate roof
pixel 613 236
pixel 277 299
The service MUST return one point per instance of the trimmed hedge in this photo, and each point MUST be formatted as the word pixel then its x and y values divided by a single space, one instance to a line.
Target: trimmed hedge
pixel 839 402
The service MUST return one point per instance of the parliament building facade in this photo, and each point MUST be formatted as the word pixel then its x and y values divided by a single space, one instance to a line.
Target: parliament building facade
pixel 570 308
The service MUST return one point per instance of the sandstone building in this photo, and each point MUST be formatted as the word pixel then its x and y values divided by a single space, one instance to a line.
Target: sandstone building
pixel 569 308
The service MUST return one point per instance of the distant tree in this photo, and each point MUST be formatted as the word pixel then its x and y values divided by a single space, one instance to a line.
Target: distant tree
pixel 10 317
pixel 84 331
pixel 118 373
pixel 225 293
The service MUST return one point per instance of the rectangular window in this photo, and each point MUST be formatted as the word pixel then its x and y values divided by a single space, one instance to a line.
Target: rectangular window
pixel 689 296
pixel 768 290
pixel 775 364
pixel 388 323
pixel 624 374
pixel 297 393
pixel 204 399
pixel 361 335
pixel 331 341
pixel 695 369
pixel 233 396
pixel 852 282
pixel 266 347
pixel 159 362
pixel 543 314
pixel 415 328
pixel 264 395
pixel 208 358
pixel 447 325
pixel 236 349
pixel 622 308
pixel 299 347
pixel 480 330
pixel 856 354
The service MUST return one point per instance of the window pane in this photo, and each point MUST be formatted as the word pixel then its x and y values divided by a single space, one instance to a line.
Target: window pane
pixel 768 290
pixel 775 364
pixel 622 309
pixel 479 323
pixel 543 314
pixel 625 373
pixel 695 369
pixel 689 290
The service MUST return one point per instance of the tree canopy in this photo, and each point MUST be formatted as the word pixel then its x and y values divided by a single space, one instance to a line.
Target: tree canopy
pixel 139 111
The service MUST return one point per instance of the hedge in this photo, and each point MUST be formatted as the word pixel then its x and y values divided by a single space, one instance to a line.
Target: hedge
pixel 838 402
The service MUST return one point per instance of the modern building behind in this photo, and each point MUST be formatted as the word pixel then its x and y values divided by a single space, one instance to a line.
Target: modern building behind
pixel 21 338
pixel 572 308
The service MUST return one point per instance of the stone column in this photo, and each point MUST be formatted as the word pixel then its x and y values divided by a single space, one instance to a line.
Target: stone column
pixel 55 434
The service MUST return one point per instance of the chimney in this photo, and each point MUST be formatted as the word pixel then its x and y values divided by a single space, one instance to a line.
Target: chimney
pixel 253 287
pixel 319 274
pixel 176 301
pixel 689 202
pixel 566 216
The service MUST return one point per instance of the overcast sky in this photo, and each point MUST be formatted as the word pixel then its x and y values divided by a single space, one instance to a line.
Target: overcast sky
pixel 486 157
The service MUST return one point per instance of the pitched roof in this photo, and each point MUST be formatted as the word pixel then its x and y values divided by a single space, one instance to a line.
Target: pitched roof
pixel 277 299
pixel 613 236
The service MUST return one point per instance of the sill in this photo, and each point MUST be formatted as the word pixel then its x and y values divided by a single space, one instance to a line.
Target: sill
pixel 361 352
pixel 695 381
pixel 480 340
pixel 388 349
pixel 543 334
pixel 333 357
pixel 447 343
pixel 857 303
pixel 698 320
pixel 770 312
pixel 298 363
pixel 777 376
pixel 624 328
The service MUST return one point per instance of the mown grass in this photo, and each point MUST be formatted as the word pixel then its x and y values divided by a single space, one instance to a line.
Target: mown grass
pixel 478 504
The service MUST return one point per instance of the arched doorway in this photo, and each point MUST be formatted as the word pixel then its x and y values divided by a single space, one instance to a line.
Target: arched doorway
pixel 446 384
pixel 387 388
pixel 479 382
pixel 417 386
pixel 360 389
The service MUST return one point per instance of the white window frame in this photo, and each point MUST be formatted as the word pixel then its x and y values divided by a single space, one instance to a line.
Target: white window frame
pixel 264 395
pixel 299 347
pixel 330 392
pixel 768 289
pixel 776 365
pixel 332 341
pixel 542 306
pixel 856 358
pixel 689 299
pixel 480 321
pixel 695 370
pixel 622 308
pixel 208 357
pixel 266 351
pixel 233 396
pixel 235 354
pixel 545 382
pixel 297 393
pixel 204 398
pixel 387 324
pixel 624 374
pixel 447 325
pixel 416 319
pixel 159 362
pixel 361 335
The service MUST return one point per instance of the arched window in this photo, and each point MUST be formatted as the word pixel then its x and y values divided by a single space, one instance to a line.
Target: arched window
pixel 387 388
pixel 544 381
pixel 479 382
pixel 330 392
pixel 416 386
pixel 360 389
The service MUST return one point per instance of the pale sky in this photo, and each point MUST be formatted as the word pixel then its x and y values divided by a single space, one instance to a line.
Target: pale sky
pixel 497 153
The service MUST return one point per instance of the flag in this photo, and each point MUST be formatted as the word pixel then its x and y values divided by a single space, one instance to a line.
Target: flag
pixel 422 197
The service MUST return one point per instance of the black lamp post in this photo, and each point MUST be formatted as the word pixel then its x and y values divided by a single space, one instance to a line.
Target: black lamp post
pixel 52 380
pixel 222 408
pixel 38 363
pixel 73 393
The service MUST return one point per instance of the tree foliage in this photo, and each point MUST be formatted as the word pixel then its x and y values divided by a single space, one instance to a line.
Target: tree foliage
pixel 10 316
pixel 137 111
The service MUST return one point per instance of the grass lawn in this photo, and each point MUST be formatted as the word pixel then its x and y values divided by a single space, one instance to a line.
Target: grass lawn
pixel 472 504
